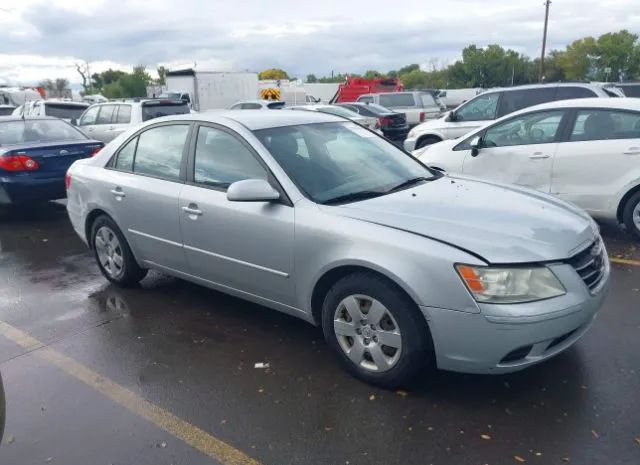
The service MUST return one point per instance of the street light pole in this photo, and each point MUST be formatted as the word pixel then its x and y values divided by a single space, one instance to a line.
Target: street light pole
pixel 547 3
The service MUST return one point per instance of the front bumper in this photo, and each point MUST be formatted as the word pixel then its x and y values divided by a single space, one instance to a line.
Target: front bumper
pixel 16 190
pixel 410 144
pixel 498 340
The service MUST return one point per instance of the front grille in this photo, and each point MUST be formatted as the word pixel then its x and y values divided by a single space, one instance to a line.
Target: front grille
pixel 561 339
pixel 590 264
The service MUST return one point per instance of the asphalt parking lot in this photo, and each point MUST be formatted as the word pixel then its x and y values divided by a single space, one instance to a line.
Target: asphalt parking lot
pixel 165 374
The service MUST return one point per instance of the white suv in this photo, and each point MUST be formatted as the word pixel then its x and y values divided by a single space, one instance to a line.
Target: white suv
pixel 491 105
pixel 417 106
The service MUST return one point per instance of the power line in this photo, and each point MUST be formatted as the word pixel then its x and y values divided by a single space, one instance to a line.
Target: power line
pixel 547 3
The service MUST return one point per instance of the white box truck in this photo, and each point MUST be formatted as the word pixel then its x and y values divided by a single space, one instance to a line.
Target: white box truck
pixel 211 90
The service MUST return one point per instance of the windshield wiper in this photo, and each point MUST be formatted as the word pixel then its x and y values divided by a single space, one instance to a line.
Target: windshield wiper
pixel 353 197
pixel 408 183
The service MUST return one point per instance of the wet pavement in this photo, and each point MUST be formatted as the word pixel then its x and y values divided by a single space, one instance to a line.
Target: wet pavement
pixel 191 351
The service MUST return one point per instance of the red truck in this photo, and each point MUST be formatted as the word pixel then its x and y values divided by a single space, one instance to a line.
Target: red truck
pixel 354 87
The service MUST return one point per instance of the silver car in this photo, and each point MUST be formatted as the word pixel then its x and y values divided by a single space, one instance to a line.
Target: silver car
pixel 309 214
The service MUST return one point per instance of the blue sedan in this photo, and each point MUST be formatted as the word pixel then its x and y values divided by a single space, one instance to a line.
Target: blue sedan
pixel 35 154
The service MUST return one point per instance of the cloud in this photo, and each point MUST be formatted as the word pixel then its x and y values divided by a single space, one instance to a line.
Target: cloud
pixel 253 34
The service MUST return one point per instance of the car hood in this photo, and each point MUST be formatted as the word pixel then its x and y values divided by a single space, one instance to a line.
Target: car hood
pixel 498 223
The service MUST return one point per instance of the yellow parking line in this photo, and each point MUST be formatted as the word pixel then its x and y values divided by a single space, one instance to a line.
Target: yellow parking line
pixel 177 427
pixel 624 261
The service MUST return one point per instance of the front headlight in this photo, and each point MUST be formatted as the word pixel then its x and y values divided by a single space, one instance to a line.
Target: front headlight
pixel 506 285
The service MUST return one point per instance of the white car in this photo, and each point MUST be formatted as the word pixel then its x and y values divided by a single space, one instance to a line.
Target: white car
pixel 366 121
pixel 491 105
pixel 259 104
pixel 63 109
pixel 417 106
pixel 585 151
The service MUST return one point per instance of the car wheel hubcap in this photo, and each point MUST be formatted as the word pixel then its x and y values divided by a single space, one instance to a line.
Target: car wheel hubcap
pixel 636 216
pixel 109 252
pixel 367 333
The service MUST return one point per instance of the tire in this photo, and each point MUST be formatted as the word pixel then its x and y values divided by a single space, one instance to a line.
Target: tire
pixel 429 140
pixel 361 348
pixel 631 215
pixel 113 254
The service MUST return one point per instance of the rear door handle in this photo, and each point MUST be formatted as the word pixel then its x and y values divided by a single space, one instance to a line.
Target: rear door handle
pixel 118 193
pixel 192 210
pixel 632 151
pixel 538 156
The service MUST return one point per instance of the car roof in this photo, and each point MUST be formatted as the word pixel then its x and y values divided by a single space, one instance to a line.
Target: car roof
pixel 623 103
pixel 260 101
pixel 259 119
pixel 66 102
pixel 26 118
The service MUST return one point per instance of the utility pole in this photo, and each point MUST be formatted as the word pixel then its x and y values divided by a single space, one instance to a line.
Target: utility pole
pixel 547 3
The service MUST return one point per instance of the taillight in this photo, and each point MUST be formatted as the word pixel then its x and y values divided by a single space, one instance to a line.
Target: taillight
pixel 378 125
pixel 18 163
pixel 67 180
pixel 421 116
pixel 385 121
pixel 96 151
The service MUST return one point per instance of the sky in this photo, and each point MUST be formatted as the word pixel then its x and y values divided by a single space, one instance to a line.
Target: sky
pixel 40 40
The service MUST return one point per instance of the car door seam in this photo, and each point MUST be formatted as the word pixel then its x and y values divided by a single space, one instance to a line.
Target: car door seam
pixel 240 262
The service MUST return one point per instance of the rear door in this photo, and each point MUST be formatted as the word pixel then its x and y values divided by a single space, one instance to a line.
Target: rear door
pixel 600 157
pixel 120 122
pixel 519 150
pixel 514 100
pixel 103 122
pixel 145 192
pixel 246 246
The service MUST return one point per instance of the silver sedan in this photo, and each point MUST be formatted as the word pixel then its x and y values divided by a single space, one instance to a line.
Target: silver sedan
pixel 404 268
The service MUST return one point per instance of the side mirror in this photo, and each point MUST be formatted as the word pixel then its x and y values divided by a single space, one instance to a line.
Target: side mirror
pixel 451 117
pixel 252 190
pixel 74 121
pixel 475 146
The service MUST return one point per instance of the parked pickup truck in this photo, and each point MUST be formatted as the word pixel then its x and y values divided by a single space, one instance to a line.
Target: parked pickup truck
pixel 417 106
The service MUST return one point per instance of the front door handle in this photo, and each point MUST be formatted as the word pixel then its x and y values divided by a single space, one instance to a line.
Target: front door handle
pixel 192 210
pixel 632 151
pixel 538 156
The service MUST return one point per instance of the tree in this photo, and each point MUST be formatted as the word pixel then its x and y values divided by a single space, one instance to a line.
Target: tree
pixel 162 75
pixel 407 69
pixel 372 74
pixel 83 71
pixel 578 61
pixel 311 78
pixel 620 52
pixel 273 73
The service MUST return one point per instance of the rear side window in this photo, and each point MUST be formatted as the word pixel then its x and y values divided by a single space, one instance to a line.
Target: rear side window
pixel 159 151
pixel 518 99
pixel 605 124
pixel 222 159
pixel 275 106
pixel 89 116
pixel 156 110
pixel 124 160
pixel 397 100
pixel 565 93
pixel 631 91
pixel 250 106
pixel 124 114
pixel 428 101
pixel 105 115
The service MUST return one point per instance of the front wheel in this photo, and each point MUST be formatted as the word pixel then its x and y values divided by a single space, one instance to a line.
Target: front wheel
pixel 377 332
pixel 631 215
pixel 112 252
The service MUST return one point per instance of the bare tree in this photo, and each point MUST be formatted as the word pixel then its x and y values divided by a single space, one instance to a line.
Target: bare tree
pixel 62 87
pixel 83 71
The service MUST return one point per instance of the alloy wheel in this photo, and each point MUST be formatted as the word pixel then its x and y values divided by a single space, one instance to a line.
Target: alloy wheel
pixel 109 252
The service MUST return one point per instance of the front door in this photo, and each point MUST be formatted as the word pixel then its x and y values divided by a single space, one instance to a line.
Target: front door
pixel 247 246
pixel 518 151
pixel 145 195
pixel 601 156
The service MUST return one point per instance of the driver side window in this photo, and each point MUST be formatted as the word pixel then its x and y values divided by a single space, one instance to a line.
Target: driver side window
pixel 481 108
pixel 534 128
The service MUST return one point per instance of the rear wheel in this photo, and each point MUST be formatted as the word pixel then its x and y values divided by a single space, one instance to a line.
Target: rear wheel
pixel 631 215
pixel 429 140
pixel 112 252
pixel 376 331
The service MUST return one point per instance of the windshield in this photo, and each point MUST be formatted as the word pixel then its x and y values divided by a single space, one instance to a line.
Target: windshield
pixel 328 161
pixel 156 110
pixel 339 111
pixel 64 110
pixel 397 100
pixel 40 130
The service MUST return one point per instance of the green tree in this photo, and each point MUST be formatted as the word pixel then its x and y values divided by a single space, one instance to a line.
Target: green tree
pixel 620 52
pixel 273 73
pixel 311 78
pixel 578 60
pixel 162 75
pixel 407 69
pixel 372 74
pixel 113 90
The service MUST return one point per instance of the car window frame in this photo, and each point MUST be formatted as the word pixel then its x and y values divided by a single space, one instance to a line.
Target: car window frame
pixel 559 137
pixel 117 114
pixel 190 164
pixel 484 94
pixel 115 108
pixel 574 116
pixel 185 151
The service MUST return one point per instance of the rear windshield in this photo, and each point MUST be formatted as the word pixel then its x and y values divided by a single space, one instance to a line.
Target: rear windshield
pixel 64 110
pixel 338 111
pixel 275 106
pixel 397 100
pixel 631 91
pixel 6 111
pixel 156 110
pixel 373 109
pixel 39 130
